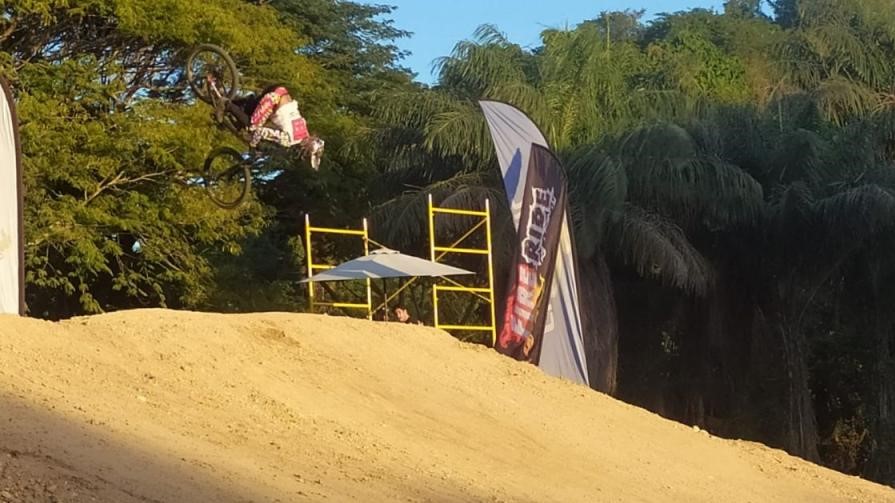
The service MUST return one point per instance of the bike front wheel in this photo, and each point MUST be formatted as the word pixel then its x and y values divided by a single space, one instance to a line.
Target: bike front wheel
pixel 227 177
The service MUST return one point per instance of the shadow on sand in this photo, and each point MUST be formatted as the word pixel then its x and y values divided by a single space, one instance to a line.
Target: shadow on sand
pixel 45 457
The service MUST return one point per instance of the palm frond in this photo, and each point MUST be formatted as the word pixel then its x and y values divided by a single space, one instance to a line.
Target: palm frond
pixel 475 65
pixel 790 207
pixel 858 213
pixel 411 109
pixel 840 98
pixel 668 169
pixel 800 154
pixel 403 220
pixel 657 249
pixel 460 132
pixel 597 183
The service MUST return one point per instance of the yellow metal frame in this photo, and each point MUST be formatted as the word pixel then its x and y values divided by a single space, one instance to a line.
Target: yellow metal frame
pixel 312 267
pixel 455 248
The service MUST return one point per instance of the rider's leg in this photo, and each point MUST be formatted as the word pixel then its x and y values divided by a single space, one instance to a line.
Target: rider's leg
pixel 270 134
pixel 238 112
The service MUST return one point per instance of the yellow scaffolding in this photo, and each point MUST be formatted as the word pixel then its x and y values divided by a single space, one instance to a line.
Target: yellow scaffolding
pixel 313 268
pixel 485 293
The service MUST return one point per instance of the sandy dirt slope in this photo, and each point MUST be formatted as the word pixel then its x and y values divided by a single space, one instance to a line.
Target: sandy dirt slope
pixel 166 406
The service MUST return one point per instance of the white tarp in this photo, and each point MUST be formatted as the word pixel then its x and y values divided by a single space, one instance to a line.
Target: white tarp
pixel 562 352
pixel 11 266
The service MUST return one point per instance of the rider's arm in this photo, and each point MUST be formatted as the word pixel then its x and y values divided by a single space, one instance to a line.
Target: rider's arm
pixel 266 106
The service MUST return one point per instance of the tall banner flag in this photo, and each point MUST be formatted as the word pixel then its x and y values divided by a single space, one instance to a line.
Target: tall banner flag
pixel 557 345
pixel 525 312
pixel 12 266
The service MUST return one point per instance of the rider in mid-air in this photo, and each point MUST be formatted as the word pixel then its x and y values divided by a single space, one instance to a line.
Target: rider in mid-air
pixel 274 116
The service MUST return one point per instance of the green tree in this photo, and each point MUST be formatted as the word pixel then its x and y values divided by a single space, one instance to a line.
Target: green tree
pixel 113 143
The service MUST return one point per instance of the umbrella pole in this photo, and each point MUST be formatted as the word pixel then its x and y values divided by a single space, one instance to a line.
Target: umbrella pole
pixel 385 293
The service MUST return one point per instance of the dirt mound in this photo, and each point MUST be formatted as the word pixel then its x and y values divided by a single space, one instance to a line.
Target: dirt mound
pixel 157 405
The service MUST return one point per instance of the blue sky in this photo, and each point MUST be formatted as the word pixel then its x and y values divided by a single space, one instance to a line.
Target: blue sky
pixel 439 24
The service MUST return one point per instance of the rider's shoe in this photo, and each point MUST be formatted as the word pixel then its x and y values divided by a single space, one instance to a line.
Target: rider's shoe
pixel 316 153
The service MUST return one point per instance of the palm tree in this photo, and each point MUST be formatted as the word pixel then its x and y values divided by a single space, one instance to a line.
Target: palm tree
pixel 580 95
pixel 827 54
pixel 737 218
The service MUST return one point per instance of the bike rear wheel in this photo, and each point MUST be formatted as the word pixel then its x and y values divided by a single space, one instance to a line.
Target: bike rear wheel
pixel 227 177
pixel 210 59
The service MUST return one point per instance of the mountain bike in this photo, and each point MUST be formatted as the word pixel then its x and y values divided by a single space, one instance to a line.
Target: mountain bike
pixel 213 77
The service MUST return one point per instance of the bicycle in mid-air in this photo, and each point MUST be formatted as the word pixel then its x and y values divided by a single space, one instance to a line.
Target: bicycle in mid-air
pixel 227 173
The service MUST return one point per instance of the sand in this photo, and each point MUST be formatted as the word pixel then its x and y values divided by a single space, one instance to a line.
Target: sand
pixel 165 406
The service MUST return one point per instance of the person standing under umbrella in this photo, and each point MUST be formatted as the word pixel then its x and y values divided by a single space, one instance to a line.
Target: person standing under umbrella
pixel 403 316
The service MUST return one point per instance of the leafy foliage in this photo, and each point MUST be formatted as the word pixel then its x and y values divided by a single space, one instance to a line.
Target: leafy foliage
pixel 732 166
pixel 113 144
pixel 731 184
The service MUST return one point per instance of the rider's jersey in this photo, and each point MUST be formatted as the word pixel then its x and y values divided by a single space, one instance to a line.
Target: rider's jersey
pixel 287 118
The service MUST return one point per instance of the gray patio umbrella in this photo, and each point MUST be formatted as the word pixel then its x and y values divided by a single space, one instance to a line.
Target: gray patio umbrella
pixel 383 264
pixel 386 263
